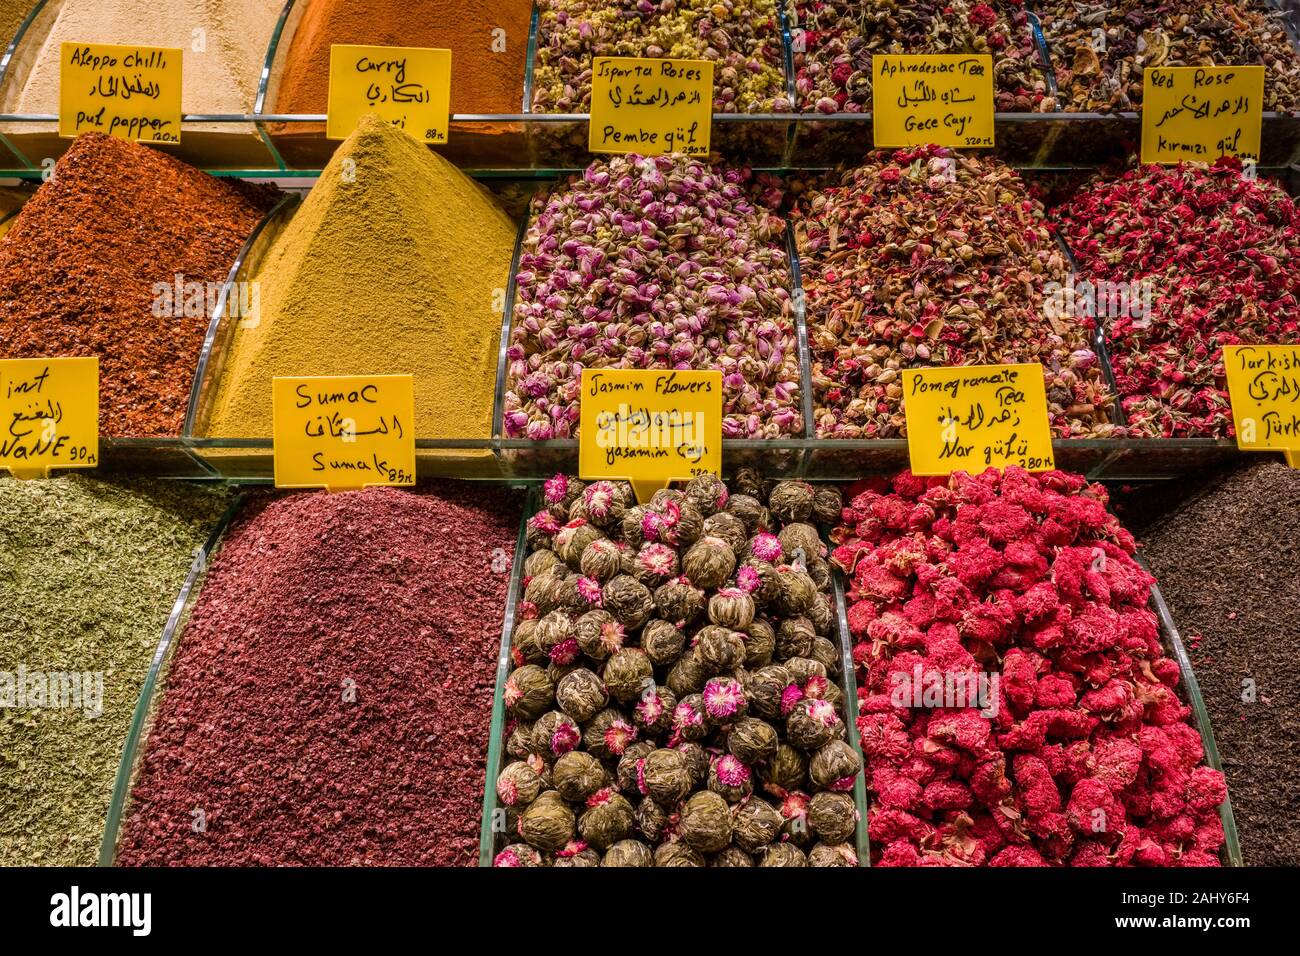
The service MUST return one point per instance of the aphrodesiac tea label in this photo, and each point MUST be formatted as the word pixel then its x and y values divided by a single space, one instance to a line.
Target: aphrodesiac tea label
pixel 49 414
pixel 932 99
pixel 131 92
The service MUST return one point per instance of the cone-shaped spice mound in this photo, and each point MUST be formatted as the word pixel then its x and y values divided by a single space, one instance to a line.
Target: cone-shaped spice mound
pixel 92 264
pixel 394 264
pixel 329 701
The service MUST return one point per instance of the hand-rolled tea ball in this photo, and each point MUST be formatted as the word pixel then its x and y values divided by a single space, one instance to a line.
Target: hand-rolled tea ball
pixel 730 779
pixel 628 673
pixel 689 719
pixel 719 649
pixel 628 771
pixel 653 713
pixel 524 645
pixel 812 724
pixel 518 784
pixel 651 819
pixel 752 740
pixel 832 855
pixel 708 563
pixel 707 493
pixel 751 512
pixel 679 602
pixel 632 853
pixel 760 643
pixel 605 502
pixel 581 694
pixel 782 854
pixel 766 690
pixel 688 675
pixel 608 734
pixel 666 776
pixel 803 669
pixel 794 638
pixel 748 482
pixel 796 592
pixel 822 615
pixel 662 642
pixel 602 560
pixel 732 608
pixel 554 629
pixel 755 823
pixel 828 505
pixel 786 771
pixel 697 759
pixel 528 692
pixel 724 700
pixel 832 816
pixel 576 854
pixel 577 775
pixel 680 524
pixel 519 740
pixel 655 563
pixel 835 766
pixel 548 822
pixel 826 653
pixel 801 540
pixel 819 569
pixel 677 854
pixel 665 495
pixel 705 822
pixel 732 856
pixel 572 540
pixel 761 580
pixel 518 854
pixel 791 501
pixel 598 634
pixel 607 819
pixel 629 601
pixel 729 528
pixel 540 561
pixel 555 734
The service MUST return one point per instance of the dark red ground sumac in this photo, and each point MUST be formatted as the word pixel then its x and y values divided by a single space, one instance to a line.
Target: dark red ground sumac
pixel 397 594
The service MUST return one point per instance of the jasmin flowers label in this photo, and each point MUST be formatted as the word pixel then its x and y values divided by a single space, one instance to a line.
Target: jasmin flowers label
pixel 1264 386
pixel 409 87
pixel 1199 113
pixel 650 426
pixel 976 417
pixel 932 99
pixel 343 431
pixel 650 106
pixel 50 411
pixel 131 92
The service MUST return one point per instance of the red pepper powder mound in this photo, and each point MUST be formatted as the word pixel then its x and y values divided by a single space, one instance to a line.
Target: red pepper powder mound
pixel 330 700
pixel 82 268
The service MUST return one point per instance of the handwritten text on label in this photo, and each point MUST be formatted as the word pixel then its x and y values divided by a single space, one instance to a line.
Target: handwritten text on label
pixel 650 106
pixel 942 99
pixel 1199 113
pixel 49 414
pixel 130 92
pixel 409 87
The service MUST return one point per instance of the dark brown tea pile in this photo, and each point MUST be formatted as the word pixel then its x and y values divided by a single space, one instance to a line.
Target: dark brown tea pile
pixel 674 699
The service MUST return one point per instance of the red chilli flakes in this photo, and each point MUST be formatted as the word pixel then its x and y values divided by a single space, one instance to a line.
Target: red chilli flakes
pixel 330 700
pixel 1220 252
pixel 1017 708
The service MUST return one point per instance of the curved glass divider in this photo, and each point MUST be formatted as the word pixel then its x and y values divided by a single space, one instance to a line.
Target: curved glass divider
pixel 150 692
pixel 849 684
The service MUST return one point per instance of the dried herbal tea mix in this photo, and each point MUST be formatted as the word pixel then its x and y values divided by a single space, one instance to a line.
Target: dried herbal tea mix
pixel 674 698
pixel 927 258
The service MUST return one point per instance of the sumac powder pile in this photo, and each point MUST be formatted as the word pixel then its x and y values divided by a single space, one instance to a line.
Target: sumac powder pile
pixel 1220 252
pixel 1227 553
pixel 674 698
pixel 91 266
pixel 1018 708
pixel 329 701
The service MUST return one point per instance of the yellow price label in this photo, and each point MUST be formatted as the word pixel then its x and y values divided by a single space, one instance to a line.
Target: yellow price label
pixel 1264 387
pixel 932 99
pixel 50 413
pixel 1199 113
pixel 131 92
pixel 650 106
pixel 343 431
pixel 407 86
pixel 649 427
pixel 976 417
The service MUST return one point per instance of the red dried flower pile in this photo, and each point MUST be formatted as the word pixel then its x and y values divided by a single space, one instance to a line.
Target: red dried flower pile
pixel 1078 750
pixel 1220 252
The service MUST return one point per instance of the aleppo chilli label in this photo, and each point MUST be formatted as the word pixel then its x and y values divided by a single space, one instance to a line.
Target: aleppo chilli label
pixel 343 432
pixel 932 99
pixel 1199 113
pixel 976 417
pixel 50 410
pixel 1264 387
pixel 650 426
pixel 650 106
pixel 409 87
pixel 131 92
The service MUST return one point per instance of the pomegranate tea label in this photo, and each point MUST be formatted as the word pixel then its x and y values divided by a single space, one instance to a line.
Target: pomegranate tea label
pixel 343 431
pixel 650 427
pixel 932 99
pixel 131 92
pixel 1199 113
pixel 650 106
pixel 409 87
pixel 1264 386
pixel 977 417
pixel 50 410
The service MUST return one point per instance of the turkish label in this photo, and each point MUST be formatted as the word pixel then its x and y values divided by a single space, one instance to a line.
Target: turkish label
pixel 50 410
pixel 650 106
pixel 650 427
pixel 1199 113
pixel 409 87
pixel 1264 386
pixel 131 92
pixel 977 417
pixel 932 99
pixel 343 431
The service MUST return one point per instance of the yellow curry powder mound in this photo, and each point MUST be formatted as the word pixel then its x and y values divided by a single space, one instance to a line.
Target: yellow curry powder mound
pixel 395 263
